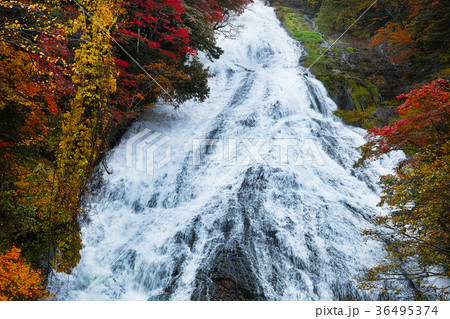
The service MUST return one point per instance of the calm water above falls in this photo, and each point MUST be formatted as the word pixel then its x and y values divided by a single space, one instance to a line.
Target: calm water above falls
pixel 273 210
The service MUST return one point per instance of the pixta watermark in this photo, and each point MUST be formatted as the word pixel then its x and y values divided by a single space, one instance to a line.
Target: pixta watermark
pixel 149 151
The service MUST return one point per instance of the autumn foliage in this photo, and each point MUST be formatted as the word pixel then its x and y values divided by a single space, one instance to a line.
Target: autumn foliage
pixel 414 36
pixel 417 196
pixel 413 33
pixel 414 29
pixel 73 75
pixel 424 121
pixel 18 281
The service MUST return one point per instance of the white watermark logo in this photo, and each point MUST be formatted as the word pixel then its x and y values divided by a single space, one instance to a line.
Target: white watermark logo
pixel 243 152
pixel 147 151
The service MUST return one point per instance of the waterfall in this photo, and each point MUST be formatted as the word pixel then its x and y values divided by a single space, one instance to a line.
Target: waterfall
pixel 248 195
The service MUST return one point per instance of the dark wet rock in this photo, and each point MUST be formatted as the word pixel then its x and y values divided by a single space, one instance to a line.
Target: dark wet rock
pixel 230 276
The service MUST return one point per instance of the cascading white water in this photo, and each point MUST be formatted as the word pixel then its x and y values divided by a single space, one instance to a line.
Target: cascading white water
pixel 273 210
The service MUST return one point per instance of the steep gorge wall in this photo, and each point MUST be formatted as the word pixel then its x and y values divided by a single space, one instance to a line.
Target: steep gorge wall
pixel 362 81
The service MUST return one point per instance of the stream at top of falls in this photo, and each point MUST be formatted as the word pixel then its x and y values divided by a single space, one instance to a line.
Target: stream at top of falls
pixel 250 195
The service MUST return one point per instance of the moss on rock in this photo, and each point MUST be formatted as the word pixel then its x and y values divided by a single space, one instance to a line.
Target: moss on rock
pixel 357 79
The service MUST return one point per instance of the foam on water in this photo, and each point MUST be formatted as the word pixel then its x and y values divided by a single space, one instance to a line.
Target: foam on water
pixel 280 226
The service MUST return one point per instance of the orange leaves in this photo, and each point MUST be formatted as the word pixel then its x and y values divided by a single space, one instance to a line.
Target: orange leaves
pixel 139 96
pixel 18 281
pixel 32 85
pixel 416 31
pixel 417 195
pixel 168 75
pixel 413 33
pixel 59 101
pixel 399 40
pixel 424 121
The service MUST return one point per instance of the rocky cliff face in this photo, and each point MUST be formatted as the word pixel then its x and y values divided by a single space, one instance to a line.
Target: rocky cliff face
pixel 358 78
pixel 361 76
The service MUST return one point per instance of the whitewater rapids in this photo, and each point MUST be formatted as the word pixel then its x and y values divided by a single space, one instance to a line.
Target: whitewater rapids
pixel 250 195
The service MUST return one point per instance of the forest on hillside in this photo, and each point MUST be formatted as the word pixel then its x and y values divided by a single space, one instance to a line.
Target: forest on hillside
pixel 75 74
pixel 413 36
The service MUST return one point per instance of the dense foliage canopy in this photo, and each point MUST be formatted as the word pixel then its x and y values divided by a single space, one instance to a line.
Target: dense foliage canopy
pixel 417 196
pixel 73 75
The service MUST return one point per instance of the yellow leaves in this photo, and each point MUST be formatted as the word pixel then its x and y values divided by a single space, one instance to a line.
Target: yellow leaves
pixel 416 227
pixel 84 125
pixel 44 200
